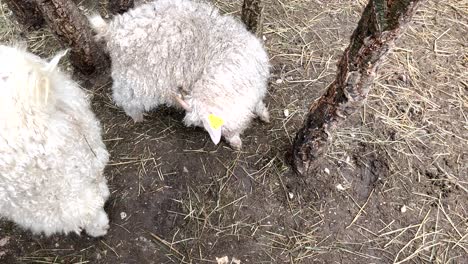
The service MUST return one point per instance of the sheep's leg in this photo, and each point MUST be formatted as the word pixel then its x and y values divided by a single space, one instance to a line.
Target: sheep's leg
pixel 234 140
pixel 98 225
pixel 124 96
pixel 135 113
pixel 262 112
pixel 104 190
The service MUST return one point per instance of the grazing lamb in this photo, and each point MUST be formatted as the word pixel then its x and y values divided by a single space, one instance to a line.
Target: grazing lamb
pixel 185 54
pixel 51 152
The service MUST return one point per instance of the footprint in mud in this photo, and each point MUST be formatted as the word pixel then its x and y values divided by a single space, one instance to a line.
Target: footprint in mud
pixel 439 181
pixel 373 167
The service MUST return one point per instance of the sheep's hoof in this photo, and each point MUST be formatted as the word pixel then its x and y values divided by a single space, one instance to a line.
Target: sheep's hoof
pixel 262 112
pixel 265 117
pixel 135 113
pixel 138 118
pixel 99 226
pixel 235 142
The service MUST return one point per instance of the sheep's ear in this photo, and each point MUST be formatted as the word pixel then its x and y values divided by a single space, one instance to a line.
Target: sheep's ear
pixel 213 125
pixel 52 65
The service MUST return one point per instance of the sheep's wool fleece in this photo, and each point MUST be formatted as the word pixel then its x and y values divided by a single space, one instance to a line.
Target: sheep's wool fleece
pixel 51 152
pixel 169 46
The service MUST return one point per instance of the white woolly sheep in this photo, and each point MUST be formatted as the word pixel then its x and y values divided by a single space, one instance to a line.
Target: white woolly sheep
pixel 51 152
pixel 185 54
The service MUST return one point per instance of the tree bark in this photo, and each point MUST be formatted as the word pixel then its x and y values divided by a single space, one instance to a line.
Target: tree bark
pixel 72 27
pixel 382 22
pixel 252 16
pixel 26 13
pixel 120 6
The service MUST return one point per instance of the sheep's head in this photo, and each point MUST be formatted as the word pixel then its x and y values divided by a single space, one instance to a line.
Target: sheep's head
pixel 211 122
pixel 24 77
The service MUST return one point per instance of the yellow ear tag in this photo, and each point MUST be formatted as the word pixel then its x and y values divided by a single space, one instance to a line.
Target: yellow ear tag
pixel 215 121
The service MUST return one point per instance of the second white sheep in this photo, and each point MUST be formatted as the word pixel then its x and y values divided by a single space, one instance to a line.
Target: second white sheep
pixel 186 54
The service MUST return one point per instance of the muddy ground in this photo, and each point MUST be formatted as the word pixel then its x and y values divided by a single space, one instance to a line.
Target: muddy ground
pixel 393 187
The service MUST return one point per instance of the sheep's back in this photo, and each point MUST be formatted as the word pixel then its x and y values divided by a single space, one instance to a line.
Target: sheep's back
pixel 54 153
pixel 171 44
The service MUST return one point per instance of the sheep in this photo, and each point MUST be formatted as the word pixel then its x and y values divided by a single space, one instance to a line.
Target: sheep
pixel 185 54
pixel 51 152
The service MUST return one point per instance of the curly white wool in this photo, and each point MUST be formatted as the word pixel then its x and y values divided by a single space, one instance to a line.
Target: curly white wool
pixel 51 152
pixel 187 48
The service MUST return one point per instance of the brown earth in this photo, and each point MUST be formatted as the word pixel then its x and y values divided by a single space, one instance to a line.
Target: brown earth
pixel 393 187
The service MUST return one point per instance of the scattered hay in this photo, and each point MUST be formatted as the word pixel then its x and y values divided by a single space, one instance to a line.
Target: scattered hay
pixel 407 148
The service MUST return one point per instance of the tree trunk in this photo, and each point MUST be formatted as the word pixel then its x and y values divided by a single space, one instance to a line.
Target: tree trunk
pixel 26 13
pixel 72 27
pixel 120 6
pixel 252 16
pixel 382 22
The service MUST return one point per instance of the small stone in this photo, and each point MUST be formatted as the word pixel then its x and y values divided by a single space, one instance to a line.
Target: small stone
pixel 402 78
pixel 57 245
pixel 340 187
pixel 223 260
pixel 123 215
pixel 263 37
pixel 327 171
pixel 286 112
pixel 403 209
pixel 279 81
pixel 185 169
pixel 235 261
pixel 291 195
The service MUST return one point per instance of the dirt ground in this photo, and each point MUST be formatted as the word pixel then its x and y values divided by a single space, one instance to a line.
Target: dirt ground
pixel 393 187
